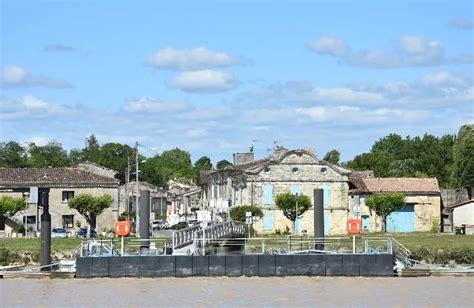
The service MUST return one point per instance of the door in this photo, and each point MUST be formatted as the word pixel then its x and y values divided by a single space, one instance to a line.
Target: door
pixel 365 223
pixel 267 194
pixel 268 222
pixel 402 220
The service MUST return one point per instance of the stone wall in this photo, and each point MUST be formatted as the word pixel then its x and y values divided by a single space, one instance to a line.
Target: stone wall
pixel 310 174
pixel 427 212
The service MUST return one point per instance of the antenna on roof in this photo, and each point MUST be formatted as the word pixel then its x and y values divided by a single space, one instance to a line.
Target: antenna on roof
pixel 253 141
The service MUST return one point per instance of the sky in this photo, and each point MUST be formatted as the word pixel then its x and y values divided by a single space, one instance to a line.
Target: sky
pixel 215 77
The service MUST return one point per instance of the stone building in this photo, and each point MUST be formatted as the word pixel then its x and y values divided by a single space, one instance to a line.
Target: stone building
pixel 258 182
pixel 63 183
pixel 421 212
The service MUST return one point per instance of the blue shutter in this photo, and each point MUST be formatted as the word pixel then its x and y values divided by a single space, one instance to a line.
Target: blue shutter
pixel 326 222
pixel 402 220
pixel 295 189
pixel 267 194
pixel 268 222
pixel 325 189
pixel 298 224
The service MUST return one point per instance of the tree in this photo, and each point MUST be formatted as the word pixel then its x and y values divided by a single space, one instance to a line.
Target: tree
pixel 203 163
pixel 384 204
pixel 238 213
pixel 12 155
pixel 292 206
pixel 9 206
pixel 114 156
pixel 332 157
pixel 222 164
pixel 91 152
pixel 403 167
pixel 463 169
pixel 51 154
pixel 90 207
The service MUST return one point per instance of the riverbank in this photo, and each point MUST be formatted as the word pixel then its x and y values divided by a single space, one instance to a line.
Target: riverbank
pixel 288 291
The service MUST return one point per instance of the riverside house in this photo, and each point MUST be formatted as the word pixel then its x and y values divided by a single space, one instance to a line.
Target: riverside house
pixel 64 183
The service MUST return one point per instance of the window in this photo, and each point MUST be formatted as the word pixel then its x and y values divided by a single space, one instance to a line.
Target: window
pixel 68 221
pixel 30 220
pixel 267 194
pixel 295 170
pixel 324 171
pixel 67 195
pixel 267 170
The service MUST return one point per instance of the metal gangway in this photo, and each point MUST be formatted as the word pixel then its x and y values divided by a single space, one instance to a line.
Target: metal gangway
pixel 206 234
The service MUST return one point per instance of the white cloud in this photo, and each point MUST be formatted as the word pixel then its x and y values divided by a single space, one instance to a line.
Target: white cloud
pixel 58 47
pixel 350 116
pixel 461 23
pixel 146 104
pixel 189 59
pixel 408 51
pixel 443 78
pixel 329 45
pixel 345 95
pixel 203 81
pixel 16 76
pixel 196 132
pixel 31 107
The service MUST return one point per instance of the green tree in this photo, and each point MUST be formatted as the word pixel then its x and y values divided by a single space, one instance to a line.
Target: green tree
pixel 292 206
pixel 332 157
pixel 12 155
pixel 114 156
pixel 463 169
pixel 91 152
pixel 203 163
pixel 52 154
pixel 384 204
pixel 9 206
pixel 403 168
pixel 222 164
pixel 238 213
pixel 90 207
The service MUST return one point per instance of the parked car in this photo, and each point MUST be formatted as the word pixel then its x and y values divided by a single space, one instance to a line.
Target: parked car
pixel 193 222
pixel 157 224
pixel 59 232
pixel 82 232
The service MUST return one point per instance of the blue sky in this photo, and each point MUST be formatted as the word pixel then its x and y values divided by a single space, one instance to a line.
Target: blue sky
pixel 209 77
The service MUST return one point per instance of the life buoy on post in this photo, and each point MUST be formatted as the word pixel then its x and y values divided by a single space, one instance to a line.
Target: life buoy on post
pixel 122 228
pixel 354 226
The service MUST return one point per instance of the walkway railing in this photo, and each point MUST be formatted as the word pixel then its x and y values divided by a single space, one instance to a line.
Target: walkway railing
pixel 205 235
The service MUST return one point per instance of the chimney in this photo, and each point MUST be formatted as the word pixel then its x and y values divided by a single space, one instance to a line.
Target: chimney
pixel 243 158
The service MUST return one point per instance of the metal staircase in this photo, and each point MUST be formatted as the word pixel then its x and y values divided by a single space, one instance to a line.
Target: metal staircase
pixel 199 236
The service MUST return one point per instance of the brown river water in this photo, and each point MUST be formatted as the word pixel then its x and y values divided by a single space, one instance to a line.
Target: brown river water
pixel 230 292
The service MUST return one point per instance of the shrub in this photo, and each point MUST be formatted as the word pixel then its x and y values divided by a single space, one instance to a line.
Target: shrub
pixel 238 213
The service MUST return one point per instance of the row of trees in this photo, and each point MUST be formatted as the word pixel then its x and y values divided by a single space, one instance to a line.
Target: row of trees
pixel 157 170
pixel 448 158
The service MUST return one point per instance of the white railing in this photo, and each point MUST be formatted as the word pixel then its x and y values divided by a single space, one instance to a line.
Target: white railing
pixel 203 235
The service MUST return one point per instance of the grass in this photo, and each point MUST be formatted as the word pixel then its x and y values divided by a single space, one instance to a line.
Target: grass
pixel 63 246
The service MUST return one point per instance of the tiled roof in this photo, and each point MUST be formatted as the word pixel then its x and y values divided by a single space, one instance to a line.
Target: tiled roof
pixel 53 177
pixel 250 165
pixel 404 185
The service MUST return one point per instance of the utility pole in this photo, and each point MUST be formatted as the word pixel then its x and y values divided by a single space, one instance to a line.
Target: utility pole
pixel 127 181
pixel 137 189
